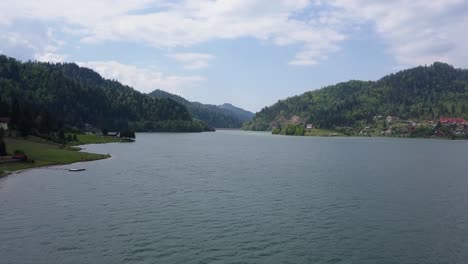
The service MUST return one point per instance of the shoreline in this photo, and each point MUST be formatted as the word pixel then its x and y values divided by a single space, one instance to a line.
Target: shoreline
pixel 458 138
pixel 46 155
pixel 8 173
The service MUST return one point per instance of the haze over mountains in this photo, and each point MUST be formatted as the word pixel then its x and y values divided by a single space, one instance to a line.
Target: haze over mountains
pixel 219 116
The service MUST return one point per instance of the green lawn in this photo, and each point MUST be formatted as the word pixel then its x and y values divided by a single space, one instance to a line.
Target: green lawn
pixel 44 153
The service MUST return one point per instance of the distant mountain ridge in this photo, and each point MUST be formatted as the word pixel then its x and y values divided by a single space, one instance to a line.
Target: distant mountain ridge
pixel 424 92
pixel 219 116
pixel 243 114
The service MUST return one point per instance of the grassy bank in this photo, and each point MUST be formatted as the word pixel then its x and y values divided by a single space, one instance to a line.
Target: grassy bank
pixel 44 154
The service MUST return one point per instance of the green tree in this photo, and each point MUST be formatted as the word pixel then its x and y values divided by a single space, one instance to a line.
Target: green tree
pixel 2 143
pixel 61 136
pixel 46 124
pixel 2 148
pixel 15 114
pixel 126 133
pixel 26 123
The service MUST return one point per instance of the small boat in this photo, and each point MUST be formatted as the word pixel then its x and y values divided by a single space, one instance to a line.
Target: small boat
pixel 76 169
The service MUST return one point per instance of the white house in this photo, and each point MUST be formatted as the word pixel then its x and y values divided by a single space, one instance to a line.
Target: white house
pixel 391 119
pixel 4 121
pixel 113 134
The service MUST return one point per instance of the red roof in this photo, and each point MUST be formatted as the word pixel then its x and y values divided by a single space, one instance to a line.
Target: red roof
pixel 20 156
pixel 452 120
pixel 4 120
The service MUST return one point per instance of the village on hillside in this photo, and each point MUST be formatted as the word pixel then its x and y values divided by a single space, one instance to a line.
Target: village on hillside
pixel 390 126
pixel 394 126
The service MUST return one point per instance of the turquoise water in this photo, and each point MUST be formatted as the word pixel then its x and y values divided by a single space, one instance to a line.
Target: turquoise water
pixel 243 197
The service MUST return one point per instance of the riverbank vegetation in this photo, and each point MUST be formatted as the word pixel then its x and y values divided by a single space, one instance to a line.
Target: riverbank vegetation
pixel 83 139
pixel 299 130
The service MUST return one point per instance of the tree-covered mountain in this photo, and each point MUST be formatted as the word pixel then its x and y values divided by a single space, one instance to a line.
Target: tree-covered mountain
pixel 425 92
pixel 74 96
pixel 223 116
pixel 242 114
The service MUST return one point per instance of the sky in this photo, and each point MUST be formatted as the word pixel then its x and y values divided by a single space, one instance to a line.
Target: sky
pixel 250 53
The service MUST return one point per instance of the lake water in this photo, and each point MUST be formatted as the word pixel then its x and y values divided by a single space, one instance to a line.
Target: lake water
pixel 244 197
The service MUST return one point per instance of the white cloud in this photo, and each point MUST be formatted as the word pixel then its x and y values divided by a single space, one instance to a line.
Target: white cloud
pixel 50 57
pixel 193 61
pixel 50 52
pixel 418 31
pixel 38 43
pixel 184 23
pixel 142 79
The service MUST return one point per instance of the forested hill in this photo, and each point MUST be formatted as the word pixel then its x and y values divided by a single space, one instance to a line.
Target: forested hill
pixel 425 92
pixel 75 96
pixel 242 114
pixel 223 116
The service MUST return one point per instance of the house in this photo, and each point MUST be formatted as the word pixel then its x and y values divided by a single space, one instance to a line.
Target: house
pixel 445 121
pixel 387 132
pixel 113 134
pixel 391 119
pixel 4 121
pixel 20 156
pixel 310 126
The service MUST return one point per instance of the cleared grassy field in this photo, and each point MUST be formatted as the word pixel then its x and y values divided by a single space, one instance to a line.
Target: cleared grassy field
pixel 44 153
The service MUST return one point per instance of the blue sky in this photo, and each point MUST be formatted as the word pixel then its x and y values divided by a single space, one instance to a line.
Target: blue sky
pixel 250 53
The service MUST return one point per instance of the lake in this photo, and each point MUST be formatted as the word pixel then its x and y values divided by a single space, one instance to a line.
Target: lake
pixel 243 197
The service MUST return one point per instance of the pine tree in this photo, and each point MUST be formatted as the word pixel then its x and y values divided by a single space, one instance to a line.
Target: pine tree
pixel 15 114
pixel 2 143
pixel 61 136
pixel 25 123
